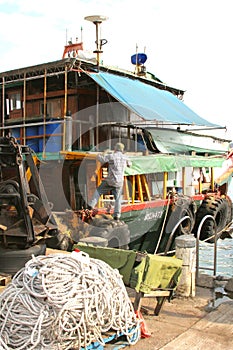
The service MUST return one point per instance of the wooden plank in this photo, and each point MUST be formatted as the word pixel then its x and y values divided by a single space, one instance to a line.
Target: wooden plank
pixel 214 331
pixel 4 279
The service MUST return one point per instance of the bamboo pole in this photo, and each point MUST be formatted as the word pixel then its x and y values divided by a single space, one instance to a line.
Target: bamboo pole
pixel 140 192
pixel 126 189
pixel 44 111
pixel 65 110
pixel 133 189
pixel 165 178
pixel 3 104
pixel 212 178
pixel 24 108
pixel 145 184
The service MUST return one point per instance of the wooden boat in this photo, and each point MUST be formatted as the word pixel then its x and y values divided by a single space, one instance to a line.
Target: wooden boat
pixel 69 110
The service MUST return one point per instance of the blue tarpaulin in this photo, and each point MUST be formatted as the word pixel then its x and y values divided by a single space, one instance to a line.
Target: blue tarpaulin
pixel 147 101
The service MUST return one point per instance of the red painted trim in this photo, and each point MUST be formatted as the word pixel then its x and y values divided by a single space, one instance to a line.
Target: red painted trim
pixel 150 204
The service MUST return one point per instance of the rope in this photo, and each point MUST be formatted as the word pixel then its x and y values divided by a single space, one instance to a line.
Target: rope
pixel 164 221
pixel 59 302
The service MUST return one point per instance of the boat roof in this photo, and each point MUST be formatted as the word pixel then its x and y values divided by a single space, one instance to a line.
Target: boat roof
pixel 146 96
pixel 73 64
pixel 148 102
pixel 153 163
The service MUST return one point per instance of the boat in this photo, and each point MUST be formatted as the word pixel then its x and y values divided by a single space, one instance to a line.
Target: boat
pixel 69 110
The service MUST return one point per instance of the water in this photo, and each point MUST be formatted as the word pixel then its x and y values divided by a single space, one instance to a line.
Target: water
pixel 224 257
pixel 224 267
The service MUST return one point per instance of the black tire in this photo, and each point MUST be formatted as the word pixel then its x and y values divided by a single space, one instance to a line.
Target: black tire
pixel 230 210
pixel 220 209
pixel 12 260
pixel 116 233
pixel 181 208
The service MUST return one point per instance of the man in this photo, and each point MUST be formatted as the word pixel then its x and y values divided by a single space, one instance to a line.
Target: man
pixel 117 162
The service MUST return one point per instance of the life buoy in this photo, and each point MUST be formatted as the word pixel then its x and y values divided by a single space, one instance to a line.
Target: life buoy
pixel 221 210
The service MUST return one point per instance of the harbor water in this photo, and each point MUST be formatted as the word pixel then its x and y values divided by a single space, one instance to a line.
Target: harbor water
pixel 224 251
pixel 224 257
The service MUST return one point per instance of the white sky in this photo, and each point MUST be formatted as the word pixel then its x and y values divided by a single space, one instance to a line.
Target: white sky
pixel 188 42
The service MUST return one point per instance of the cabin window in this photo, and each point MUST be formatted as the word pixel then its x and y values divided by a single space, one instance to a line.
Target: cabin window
pixel 14 101
pixel 53 108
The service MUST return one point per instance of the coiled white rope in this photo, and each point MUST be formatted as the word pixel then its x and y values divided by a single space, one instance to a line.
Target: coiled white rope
pixel 59 302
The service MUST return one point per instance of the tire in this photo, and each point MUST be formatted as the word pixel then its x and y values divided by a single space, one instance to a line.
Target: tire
pixel 182 207
pixel 230 210
pixel 12 260
pixel 179 209
pixel 116 233
pixel 220 209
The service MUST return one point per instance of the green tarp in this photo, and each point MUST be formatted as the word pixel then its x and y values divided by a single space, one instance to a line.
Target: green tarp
pixel 170 163
pixel 153 271
pixel 120 259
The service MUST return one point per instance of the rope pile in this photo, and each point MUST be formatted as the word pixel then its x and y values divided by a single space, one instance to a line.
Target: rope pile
pixel 61 302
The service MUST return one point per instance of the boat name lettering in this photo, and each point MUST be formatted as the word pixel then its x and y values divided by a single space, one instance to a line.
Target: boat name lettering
pixel 153 215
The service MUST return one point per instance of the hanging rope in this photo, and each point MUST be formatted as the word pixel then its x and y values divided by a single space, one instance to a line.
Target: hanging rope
pixel 59 302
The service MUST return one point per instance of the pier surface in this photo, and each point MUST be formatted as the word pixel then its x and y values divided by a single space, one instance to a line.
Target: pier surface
pixel 198 323
pixel 189 323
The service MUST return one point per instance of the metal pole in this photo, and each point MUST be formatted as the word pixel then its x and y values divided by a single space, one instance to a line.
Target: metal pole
pixel 68 133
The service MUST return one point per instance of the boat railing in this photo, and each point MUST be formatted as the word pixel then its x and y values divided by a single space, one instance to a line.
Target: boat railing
pixel 215 236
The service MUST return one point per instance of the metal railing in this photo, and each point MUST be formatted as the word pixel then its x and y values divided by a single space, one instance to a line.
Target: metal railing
pixel 173 232
pixel 215 236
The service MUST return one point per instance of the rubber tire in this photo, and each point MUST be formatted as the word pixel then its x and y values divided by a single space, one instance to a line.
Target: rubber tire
pixel 12 260
pixel 177 212
pixel 117 236
pixel 218 208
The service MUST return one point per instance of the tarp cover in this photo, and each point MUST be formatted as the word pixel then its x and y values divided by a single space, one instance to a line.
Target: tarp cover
pixel 153 271
pixel 148 101
pixel 160 163
pixel 120 259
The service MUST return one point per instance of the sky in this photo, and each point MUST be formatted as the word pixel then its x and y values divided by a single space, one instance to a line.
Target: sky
pixel 187 42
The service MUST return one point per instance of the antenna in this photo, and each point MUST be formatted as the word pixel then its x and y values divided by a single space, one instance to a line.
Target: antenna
pixel 81 29
pixel 97 20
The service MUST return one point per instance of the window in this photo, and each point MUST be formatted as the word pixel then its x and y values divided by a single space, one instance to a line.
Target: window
pixel 53 108
pixel 15 101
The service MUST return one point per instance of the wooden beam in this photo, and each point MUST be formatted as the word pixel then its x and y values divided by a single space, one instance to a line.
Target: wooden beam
pixel 126 189
pixel 145 184
pixel 140 191
pixel 165 178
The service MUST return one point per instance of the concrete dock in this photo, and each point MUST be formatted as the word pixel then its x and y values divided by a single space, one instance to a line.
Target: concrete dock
pixel 201 322
pixel 189 323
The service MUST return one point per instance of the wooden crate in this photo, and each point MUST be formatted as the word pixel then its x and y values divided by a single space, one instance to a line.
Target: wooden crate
pixel 4 280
